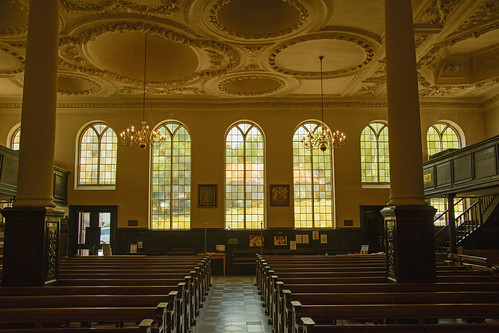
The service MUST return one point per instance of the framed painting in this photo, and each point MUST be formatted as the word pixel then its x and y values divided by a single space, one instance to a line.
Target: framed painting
pixel 255 240
pixel 280 240
pixel 208 195
pixel 279 195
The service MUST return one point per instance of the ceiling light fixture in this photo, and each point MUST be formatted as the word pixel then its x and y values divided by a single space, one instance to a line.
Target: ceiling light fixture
pixel 144 137
pixel 322 137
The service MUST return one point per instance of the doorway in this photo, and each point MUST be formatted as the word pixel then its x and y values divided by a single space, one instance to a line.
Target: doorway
pixel 92 229
pixel 372 228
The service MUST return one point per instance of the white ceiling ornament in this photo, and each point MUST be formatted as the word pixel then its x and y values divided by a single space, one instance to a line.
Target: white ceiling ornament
pixel 158 7
pixel 264 20
pixel 349 53
pixel 112 50
pixel 76 85
pixel 251 84
pixel 11 61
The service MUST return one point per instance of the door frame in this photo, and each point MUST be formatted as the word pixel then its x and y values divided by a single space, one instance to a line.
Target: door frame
pixel 73 223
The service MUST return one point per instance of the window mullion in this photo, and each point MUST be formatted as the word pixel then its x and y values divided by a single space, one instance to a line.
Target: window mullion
pixel 312 184
pixel 171 181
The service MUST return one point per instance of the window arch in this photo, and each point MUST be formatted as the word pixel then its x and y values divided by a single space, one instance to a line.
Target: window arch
pixel 15 138
pixel 171 178
pixel 98 151
pixel 441 136
pixel 312 182
pixel 244 177
pixel 374 153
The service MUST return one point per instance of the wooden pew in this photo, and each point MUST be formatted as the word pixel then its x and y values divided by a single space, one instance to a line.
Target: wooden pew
pixel 119 276
pixel 145 326
pixel 309 326
pixel 413 297
pixel 64 316
pixel 422 313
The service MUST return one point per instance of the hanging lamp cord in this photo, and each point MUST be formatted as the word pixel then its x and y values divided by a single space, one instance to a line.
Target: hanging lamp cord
pixel 322 92
pixel 144 82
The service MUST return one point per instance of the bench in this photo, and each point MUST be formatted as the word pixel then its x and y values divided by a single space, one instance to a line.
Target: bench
pixel 396 313
pixel 65 316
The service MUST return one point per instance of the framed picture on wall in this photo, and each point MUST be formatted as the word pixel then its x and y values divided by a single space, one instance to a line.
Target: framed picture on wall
pixel 208 195
pixel 280 240
pixel 279 195
pixel 255 240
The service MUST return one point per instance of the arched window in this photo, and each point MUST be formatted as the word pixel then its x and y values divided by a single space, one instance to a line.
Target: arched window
pixel 97 156
pixel 15 139
pixel 171 178
pixel 312 180
pixel 374 154
pixel 244 177
pixel 441 136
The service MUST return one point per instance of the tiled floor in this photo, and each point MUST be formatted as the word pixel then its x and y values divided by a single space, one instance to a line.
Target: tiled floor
pixel 232 305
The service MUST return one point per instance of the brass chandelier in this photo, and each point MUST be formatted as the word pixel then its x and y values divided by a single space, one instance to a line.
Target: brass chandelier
pixel 144 137
pixel 322 137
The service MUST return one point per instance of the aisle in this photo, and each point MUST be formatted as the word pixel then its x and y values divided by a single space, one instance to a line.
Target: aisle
pixel 232 305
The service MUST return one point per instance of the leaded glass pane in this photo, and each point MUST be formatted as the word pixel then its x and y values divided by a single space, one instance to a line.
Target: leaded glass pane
pixel 16 140
pixel 171 179
pixel 441 137
pixel 312 183
pixel 374 154
pixel 98 156
pixel 244 177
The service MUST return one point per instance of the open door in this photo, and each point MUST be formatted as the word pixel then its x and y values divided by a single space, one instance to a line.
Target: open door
pixel 372 226
pixel 92 228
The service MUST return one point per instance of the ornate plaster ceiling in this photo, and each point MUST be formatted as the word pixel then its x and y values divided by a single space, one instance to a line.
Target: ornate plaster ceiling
pixel 254 49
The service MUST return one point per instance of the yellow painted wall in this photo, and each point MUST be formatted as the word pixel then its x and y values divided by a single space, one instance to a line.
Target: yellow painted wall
pixel 208 127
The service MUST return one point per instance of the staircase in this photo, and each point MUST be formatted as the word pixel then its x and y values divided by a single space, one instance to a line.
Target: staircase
pixel 475 217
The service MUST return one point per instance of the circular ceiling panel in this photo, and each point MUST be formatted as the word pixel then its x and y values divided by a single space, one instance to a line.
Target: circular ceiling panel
pixel 123 53
pixel 263 19
pixel 343 55
pixel 13 20
pixel 10 62
pixel 251 84
pixel 75 85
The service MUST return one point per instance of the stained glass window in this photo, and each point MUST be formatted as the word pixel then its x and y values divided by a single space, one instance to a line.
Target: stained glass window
pixel 312 180
pixel 15 141
pixel 171 179
pixel 244 177
pixel 374 154
pixel 98 155
pixel 440 137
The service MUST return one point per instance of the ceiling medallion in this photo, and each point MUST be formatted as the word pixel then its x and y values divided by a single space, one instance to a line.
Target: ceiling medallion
pixel 275 18
pixel 162 7
pixel 365 54
pixel 247 85
pixel 69 84
pixel 15 59
pixel 73 56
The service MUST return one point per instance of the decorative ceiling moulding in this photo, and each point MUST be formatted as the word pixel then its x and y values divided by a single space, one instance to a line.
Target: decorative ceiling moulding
pixel 344 54
pixel 437 11
pixel 75 85
pixel 252 84
pixel 175 91
pixel 76 54
pixel 13 19
pixel 217 105
pixel 264 20
pixel 11 61
pixel 487 12
pixel 156 7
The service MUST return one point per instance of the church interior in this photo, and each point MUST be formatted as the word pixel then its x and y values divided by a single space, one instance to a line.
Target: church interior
pixel 243 128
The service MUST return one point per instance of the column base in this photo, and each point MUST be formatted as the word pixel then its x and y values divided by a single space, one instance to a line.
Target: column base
pixel 30 246
pixel 410 249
